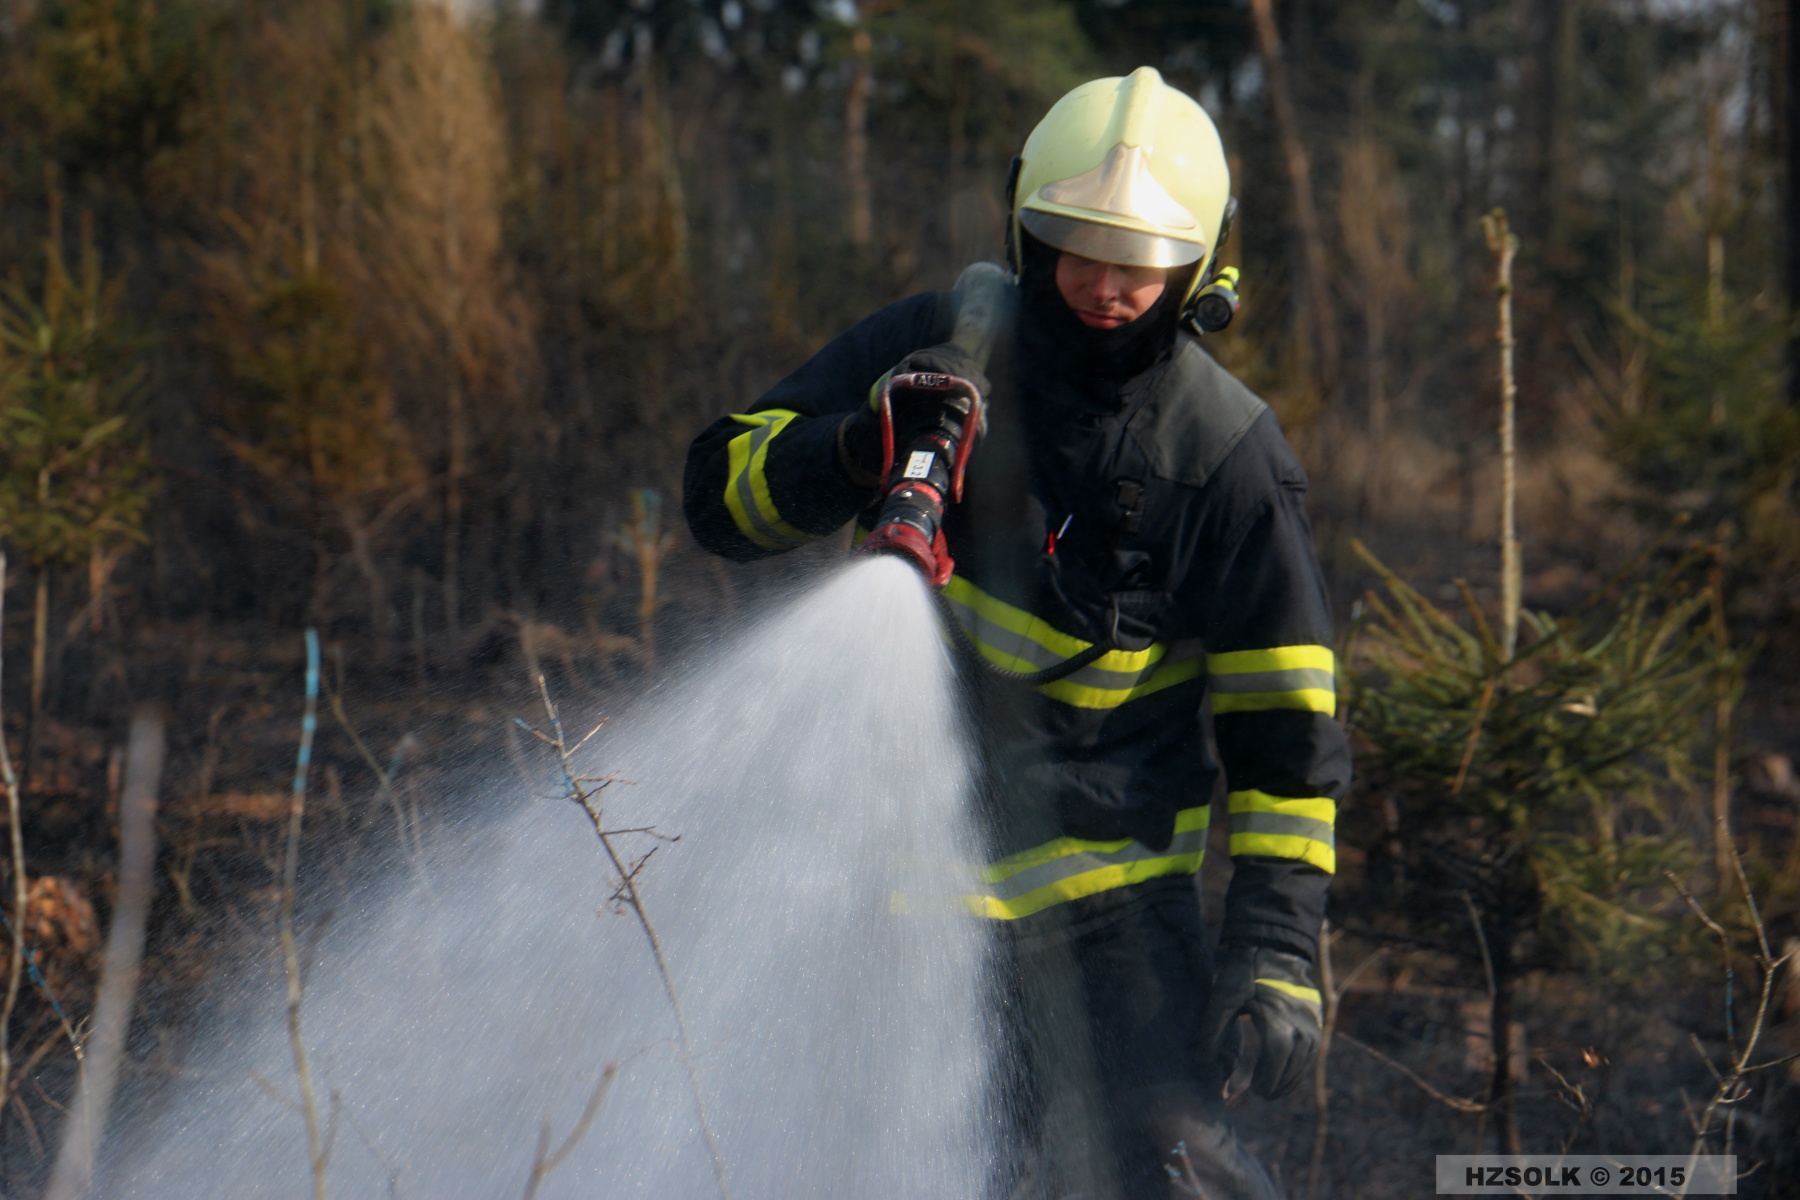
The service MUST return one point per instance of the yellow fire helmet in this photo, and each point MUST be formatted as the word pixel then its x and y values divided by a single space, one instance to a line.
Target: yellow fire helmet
pixel 1125 170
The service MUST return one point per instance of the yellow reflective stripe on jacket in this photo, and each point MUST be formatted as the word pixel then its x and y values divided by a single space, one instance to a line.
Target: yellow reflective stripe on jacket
pixel 1012 638
pixel 747 487
pixel 1284 828
pixel 1302 677
pixel 1070 868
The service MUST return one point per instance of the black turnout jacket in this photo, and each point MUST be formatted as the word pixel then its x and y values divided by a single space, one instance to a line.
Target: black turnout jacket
pixel 1179 531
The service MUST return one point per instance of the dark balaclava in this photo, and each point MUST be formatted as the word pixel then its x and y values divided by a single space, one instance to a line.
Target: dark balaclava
pixel 1104 358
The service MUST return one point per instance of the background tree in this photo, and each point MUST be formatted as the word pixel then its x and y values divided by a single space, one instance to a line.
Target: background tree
pixel 74 477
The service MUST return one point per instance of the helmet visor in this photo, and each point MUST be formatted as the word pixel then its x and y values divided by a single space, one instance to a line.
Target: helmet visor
pixel 1109 243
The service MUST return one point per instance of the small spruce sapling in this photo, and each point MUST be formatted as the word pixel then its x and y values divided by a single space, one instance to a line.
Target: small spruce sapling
pixel 75 474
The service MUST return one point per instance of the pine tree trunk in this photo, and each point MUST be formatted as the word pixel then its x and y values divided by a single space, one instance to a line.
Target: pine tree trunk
pixel 856 142
pixel 783 264
pixel 1790 108
pixel 1560 153
pixel 1320 313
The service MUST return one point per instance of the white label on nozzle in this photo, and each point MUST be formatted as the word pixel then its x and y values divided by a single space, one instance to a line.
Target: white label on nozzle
pixel 918 466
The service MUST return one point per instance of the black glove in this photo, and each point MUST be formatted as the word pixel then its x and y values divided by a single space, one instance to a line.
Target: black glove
pixel 915 410
pixel 1274 988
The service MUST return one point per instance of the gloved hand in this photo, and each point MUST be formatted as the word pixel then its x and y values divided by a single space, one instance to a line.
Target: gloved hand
pixel 1274 988
pixel 915 410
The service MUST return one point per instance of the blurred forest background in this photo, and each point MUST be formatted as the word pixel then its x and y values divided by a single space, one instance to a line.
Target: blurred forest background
pixel 395 320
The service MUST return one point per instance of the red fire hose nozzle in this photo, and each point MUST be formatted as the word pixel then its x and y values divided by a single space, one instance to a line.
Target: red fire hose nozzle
pixel 926 476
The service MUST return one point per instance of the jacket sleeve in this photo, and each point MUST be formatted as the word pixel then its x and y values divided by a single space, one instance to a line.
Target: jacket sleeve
pixel 1286 759
pixel 770 479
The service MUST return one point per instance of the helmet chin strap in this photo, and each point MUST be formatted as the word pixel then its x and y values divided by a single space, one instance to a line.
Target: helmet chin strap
pixel 1012 213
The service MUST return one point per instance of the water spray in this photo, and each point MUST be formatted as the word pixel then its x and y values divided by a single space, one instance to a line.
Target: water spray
pixel 833 985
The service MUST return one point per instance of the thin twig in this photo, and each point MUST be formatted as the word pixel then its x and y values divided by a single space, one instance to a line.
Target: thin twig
pixel 43 985
pixel 1321 1079
pixel 1573 1089
pixel 1505 244
pixel 290 954
pixel 1456 1102
pixel 1333 991
pixel 1694 1041
pixel 1725 953
pixel 1756 921
pixel 1695 905
pixel 545 1162
pixel 31 1133
pixel 627 890
pixel 576 748
pixel 16 967
pixel 1481 711
pixel 384 779
pixel 276 1094
pixel 1499 1040
pixel 1487 961
pixel 1733 1084
pixel 1786 1058
pixel 33 1059
pixel 1723 704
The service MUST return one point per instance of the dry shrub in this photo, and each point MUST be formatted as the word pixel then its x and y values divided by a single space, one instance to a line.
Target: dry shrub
pixel 60 926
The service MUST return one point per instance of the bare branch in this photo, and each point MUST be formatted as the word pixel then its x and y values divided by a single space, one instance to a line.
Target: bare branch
pixel 1456 1102
pixel 1695 905
pixel 545 1161
pixel 590 736
pixel 1468 758
pixel 626 893
pixel 384 777
pixel 16 822
pixel 1571 1089
pixel 1732 1085
pixel 272 1092
pixel 290 954
pixel 537 733
pixel 1487 960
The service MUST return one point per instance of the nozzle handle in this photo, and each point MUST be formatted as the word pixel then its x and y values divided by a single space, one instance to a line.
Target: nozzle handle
pixel 988 302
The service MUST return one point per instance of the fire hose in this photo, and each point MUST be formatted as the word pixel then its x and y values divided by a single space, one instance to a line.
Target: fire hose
pixel 923 478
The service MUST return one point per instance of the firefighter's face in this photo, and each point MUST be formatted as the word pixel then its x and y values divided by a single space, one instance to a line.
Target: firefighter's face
pixel 1106 295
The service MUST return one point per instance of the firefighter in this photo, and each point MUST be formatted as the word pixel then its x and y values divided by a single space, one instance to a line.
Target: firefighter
pixel 1130 495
